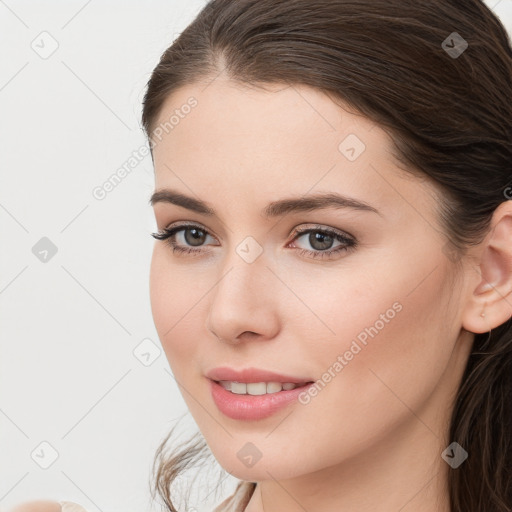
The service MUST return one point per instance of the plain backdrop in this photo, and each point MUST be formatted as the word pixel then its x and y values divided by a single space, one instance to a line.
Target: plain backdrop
pixel 86 393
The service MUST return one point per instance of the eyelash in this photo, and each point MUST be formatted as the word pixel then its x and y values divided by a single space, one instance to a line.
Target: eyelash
pixel 167 235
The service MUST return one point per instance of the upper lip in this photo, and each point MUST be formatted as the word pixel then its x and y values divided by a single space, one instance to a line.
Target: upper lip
pixel 252 375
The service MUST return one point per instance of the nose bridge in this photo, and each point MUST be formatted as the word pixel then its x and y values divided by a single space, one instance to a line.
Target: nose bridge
pixel 242 281
pixel 243 298
pixel 244 267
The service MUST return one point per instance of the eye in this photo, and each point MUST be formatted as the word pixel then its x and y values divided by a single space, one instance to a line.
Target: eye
pixel 191 234
pixel 322 239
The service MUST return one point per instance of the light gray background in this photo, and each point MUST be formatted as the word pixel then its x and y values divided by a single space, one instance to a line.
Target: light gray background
pixel 71 326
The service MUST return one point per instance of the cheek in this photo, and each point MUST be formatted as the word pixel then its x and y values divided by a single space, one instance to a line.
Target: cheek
pixel 391 343
pixel 175 304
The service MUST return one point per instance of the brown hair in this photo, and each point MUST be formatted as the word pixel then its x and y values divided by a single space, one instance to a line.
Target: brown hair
pixel 449 113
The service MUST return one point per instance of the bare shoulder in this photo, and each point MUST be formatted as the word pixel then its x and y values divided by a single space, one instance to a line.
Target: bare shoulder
pixel 37 506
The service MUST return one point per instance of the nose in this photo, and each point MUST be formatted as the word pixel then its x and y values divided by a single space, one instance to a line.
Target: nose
pixel 244 303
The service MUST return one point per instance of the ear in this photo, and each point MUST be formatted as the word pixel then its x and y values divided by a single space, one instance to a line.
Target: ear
pixel 490 295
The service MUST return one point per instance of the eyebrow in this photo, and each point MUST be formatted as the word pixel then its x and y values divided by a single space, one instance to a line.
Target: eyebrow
pixel 273 209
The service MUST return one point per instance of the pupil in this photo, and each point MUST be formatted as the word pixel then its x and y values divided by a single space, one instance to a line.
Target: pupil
pixel 320 237
pixel 198 234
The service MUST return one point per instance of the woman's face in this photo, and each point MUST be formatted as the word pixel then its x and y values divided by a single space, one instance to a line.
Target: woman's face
pixel 371 313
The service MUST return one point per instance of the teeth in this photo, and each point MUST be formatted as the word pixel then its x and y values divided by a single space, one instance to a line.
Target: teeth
pixel 274 387
pixel 239 388
pixel 256 388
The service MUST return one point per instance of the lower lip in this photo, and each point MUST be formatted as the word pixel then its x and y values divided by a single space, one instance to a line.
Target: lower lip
pixel 253 407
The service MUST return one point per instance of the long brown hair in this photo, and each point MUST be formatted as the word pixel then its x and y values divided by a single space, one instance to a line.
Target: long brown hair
pixel 448 107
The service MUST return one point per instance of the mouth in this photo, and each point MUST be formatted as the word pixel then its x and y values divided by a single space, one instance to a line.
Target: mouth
pixel 252 394
pixel 259 388
pixel 252 401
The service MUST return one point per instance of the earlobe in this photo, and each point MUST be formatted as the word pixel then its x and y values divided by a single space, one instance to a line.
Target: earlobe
pixel 490 301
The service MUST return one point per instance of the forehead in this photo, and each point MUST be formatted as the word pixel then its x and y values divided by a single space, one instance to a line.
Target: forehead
pixel 276 118
pixel 283 140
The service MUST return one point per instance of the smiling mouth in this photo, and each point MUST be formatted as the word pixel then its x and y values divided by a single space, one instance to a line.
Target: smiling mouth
pixel 258 388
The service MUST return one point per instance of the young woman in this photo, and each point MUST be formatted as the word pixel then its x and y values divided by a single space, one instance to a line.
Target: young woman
pixel 333 185
pixel 332 276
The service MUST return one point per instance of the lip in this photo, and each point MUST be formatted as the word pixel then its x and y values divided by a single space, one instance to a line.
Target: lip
pixel 253 407
pixel 248 375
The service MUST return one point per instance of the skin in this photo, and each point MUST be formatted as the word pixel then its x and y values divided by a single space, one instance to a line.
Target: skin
pixel 372 438
pixel 37 506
